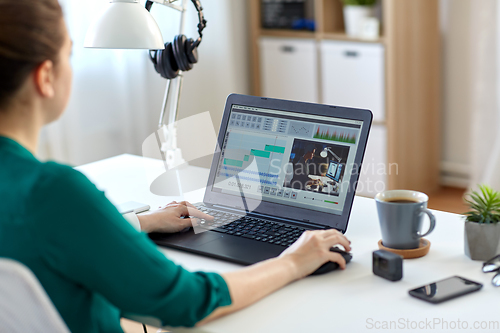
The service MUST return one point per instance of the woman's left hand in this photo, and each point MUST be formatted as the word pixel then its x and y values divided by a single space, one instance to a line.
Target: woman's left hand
pixel 172 218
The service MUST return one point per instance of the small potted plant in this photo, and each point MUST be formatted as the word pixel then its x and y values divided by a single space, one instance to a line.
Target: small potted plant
pixel 482 227
pixel 355 14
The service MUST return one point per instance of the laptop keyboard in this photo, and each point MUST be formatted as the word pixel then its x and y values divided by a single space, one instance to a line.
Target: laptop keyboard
pixel 252 228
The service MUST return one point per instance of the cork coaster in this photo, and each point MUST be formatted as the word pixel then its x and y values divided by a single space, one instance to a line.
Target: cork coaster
pixel 419 252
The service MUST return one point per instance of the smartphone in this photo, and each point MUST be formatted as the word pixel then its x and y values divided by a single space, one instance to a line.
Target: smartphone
pixel 132 206
pixel 446 289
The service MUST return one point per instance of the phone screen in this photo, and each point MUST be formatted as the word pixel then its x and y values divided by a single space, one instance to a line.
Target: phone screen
pixel 445 289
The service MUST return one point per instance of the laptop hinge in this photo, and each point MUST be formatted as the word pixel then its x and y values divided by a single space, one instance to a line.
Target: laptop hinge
pixel 297 222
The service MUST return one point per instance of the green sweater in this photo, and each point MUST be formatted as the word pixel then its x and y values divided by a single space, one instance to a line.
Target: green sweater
pixel 92 263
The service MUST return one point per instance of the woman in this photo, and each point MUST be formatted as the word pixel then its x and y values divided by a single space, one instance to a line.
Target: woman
pixel 93 264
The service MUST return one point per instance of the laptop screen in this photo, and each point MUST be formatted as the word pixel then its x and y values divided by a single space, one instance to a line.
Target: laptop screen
pixel 288 158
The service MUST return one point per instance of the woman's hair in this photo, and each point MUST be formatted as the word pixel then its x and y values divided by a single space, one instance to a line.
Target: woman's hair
pixel 30 33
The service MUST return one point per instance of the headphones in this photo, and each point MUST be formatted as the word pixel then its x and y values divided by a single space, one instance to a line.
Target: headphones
pixel 182 53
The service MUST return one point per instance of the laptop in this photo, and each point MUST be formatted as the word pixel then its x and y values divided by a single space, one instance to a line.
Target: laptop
pixel 280 168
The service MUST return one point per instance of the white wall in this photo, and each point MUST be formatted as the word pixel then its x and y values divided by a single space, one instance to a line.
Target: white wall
pixel 223 69
pixel 457 90
pixel 117 95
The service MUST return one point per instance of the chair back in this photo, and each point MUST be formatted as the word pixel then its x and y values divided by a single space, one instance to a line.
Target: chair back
pixel 24 304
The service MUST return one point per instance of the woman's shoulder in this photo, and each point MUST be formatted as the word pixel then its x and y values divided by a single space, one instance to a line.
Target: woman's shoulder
pixel 62 189
pixel 56 178
pixel 58 170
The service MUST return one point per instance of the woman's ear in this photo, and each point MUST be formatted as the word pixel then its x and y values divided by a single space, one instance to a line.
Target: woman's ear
pixel 44 79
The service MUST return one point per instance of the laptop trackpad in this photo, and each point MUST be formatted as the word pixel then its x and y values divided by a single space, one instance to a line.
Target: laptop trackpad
pixel 239 249
pixel 185 239
pixel 214 244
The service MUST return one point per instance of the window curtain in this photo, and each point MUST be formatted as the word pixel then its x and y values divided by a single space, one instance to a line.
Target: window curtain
pixel 111 109
pixel 485 85
pixel 117 95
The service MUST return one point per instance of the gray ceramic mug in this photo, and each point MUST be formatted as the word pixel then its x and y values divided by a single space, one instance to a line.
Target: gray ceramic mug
pixel 401 213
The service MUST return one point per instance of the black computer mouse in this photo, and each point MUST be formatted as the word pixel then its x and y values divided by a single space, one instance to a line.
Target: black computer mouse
pixel 331 266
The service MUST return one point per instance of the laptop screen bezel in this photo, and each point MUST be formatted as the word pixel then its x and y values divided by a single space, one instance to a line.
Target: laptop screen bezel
pixel 283 211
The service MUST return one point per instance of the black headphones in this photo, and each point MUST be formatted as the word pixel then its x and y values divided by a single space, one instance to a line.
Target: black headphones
pixel 182 53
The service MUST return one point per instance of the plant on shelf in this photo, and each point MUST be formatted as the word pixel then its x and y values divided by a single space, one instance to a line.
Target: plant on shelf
pixel 482 224
pixel 359 2
pixel 356 12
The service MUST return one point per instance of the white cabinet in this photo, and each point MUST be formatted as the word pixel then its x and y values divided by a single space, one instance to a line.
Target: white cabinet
pixel 289 69
pixel 352 75
pixel 357 73
pixel 374 170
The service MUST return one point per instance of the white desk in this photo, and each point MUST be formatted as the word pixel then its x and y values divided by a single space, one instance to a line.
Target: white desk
pixel 340 301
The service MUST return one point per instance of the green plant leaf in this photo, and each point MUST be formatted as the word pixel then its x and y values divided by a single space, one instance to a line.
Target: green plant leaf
pixel 476 206
pixel 484 204
pixel 484 191
pixel 477 197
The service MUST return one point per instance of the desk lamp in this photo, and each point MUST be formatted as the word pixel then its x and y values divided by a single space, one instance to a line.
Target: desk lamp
pixel 125 24
pixel 324 154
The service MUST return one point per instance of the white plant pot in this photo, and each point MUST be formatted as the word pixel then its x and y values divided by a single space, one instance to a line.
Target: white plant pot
pixel 354 18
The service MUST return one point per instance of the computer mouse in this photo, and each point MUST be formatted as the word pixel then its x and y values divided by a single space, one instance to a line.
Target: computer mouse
pixel 331 266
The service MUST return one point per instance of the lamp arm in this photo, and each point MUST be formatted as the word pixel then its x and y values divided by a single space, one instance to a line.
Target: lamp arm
pixel 202 24
pixel 170 89
pixel 173 153
pixel 334 155
pixel 168 3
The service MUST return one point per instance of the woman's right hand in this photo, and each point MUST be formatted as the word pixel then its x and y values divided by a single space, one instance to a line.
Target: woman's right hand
pixel 309 252
pixel 312 250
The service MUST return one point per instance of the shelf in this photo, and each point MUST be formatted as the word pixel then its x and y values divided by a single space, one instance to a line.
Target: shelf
pixel 287 33
pixel 411 41
pixel 343 37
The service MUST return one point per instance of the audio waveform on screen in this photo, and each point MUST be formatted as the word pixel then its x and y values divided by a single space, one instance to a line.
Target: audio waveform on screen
pixel 331 134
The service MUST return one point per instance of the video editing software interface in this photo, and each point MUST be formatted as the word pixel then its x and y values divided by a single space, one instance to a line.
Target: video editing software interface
pixel 288 158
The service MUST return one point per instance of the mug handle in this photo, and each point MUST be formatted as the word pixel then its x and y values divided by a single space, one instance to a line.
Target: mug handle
pixel 432 221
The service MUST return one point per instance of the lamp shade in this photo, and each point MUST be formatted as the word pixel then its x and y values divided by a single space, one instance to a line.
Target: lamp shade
pixel 124 24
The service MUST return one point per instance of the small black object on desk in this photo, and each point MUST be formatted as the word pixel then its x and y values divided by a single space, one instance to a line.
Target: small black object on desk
pixel 388 265
pixel 330 265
